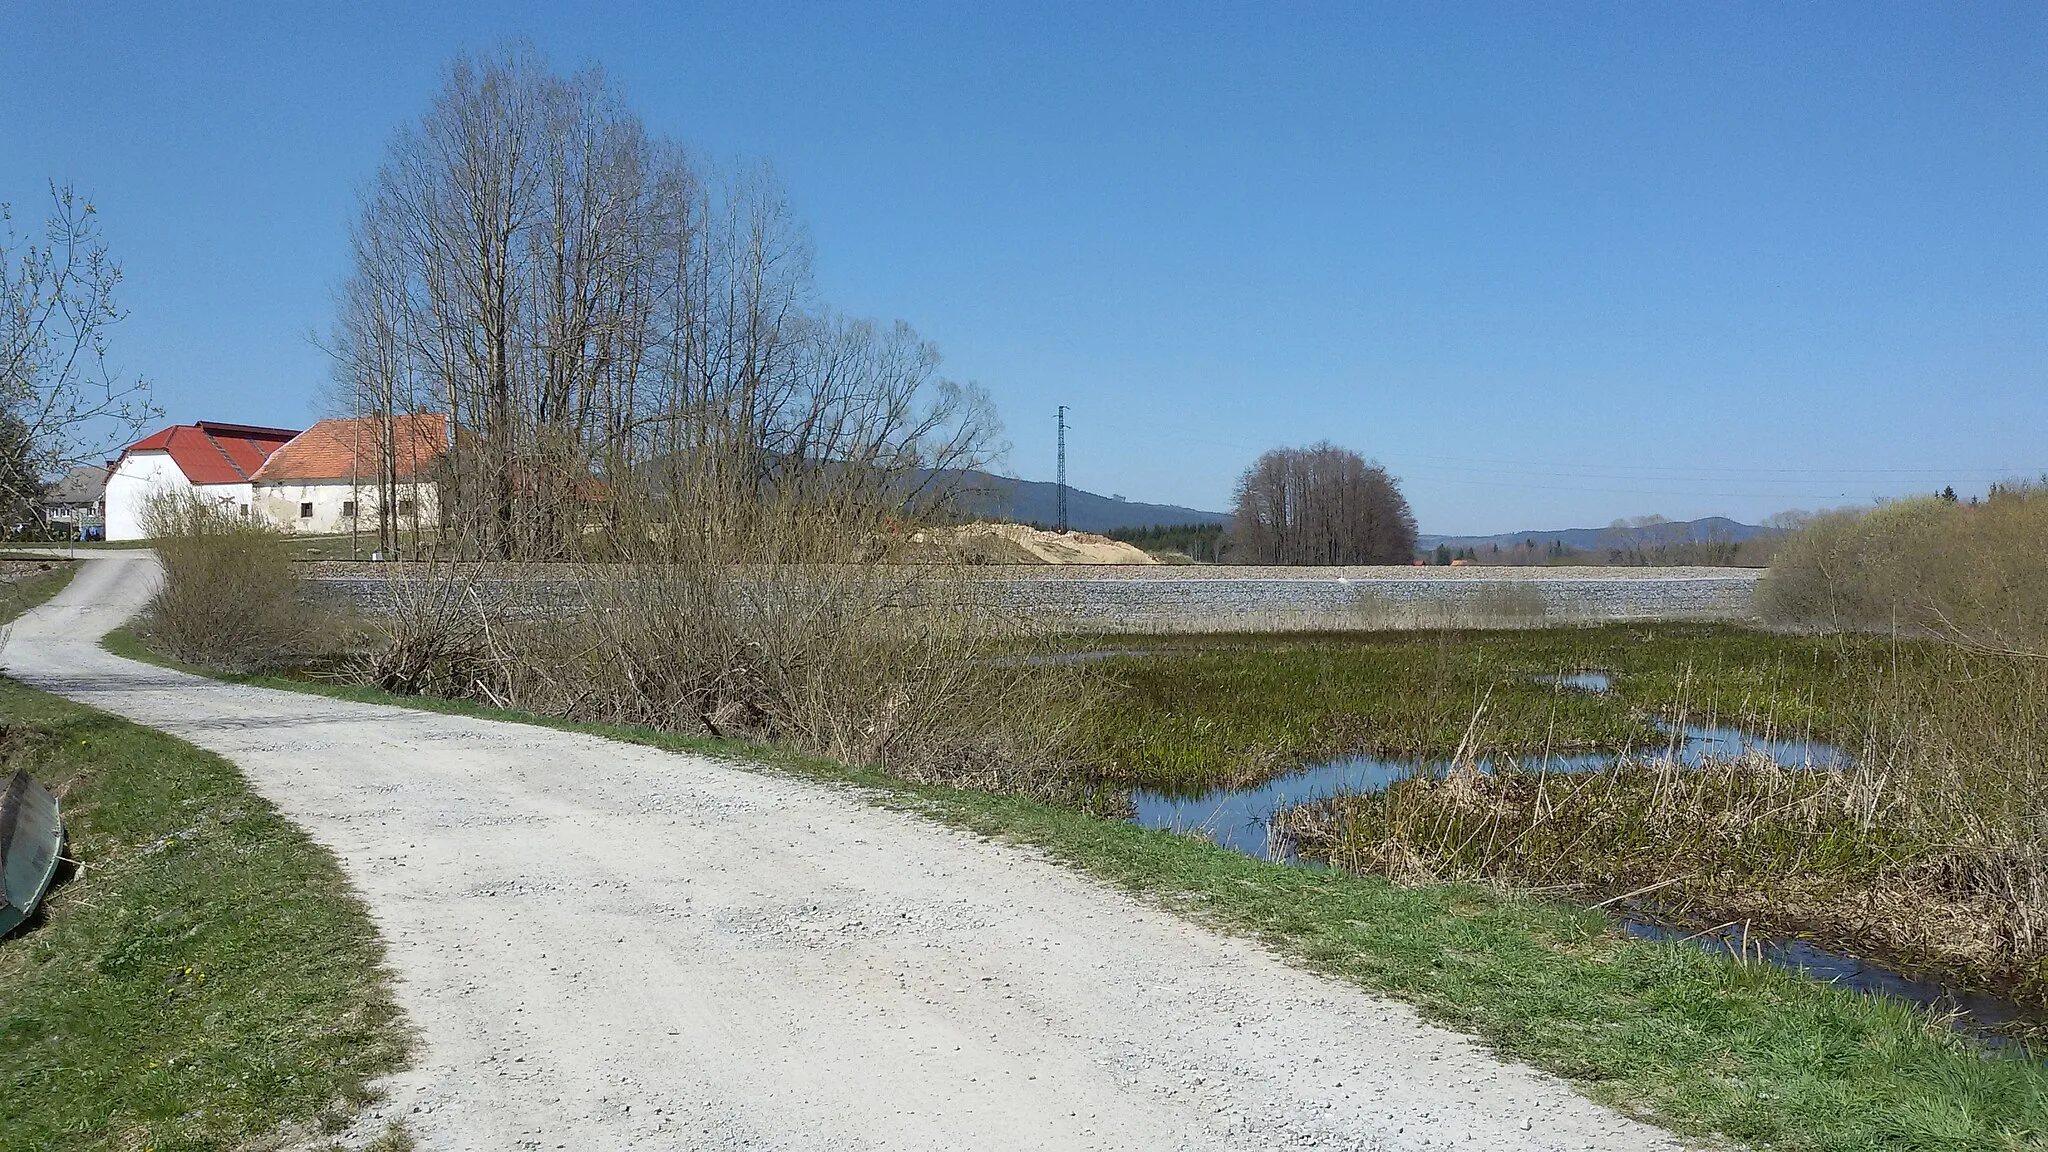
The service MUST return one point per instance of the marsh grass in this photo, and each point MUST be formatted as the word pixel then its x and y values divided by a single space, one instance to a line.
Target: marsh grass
pixel 1927 848
pixel 1199 712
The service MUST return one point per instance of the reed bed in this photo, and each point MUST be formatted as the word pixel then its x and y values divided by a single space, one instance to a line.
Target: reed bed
pixel 1930 848
pixel 883 666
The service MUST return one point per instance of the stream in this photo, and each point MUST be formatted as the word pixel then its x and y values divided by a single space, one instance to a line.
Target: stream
pixel 1240 818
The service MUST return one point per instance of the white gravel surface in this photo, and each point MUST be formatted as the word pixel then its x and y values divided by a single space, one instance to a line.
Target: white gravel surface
pixel 1220 597
pixel 609 946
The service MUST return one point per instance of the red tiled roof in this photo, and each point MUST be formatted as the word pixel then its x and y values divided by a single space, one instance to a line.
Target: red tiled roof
pixel 212 453
pixel 350 450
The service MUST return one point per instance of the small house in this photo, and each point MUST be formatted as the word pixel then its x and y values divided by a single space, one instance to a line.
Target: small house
pixel 76 504
pixel 335 476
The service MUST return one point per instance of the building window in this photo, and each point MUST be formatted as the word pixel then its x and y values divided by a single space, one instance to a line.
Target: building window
pixel 405 507
pixel 306 510
pixel 245 511
pixel 348 508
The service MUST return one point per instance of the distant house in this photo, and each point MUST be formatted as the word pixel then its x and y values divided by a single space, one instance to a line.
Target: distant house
pixel 77 503
pixel 328 478
pixel 212 459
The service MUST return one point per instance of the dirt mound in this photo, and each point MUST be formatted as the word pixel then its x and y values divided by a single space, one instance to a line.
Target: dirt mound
pixel 1021 544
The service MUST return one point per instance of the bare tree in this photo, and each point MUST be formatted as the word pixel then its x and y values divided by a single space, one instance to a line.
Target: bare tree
pixel 638 372
pixel 628 347
pixel 61 402
pixel 1320 505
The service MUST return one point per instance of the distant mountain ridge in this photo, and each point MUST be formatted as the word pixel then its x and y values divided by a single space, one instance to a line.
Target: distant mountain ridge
pixel 1703 530
pixel 1037 502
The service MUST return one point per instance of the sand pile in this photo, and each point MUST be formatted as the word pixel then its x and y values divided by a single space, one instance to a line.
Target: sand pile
pixel 1021 544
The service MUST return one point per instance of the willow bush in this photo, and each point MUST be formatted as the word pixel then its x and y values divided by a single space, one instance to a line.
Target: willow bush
pixel 231 596
pixel 1971 574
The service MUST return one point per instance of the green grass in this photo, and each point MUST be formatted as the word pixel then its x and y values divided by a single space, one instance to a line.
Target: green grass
pixel 1698 1043
pixel 1231 710
pixel 21 594
pixel 206 980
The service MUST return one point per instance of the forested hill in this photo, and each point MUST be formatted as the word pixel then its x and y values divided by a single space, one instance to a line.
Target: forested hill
pixel 1037 502
pixel 1704 530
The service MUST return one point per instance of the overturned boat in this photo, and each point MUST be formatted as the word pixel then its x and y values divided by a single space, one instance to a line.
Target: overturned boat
pixel 31 843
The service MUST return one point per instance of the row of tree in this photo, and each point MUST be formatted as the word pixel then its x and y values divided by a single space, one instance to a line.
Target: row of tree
pixel 628 341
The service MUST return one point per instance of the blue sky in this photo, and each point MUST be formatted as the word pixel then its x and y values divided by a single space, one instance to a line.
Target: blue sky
pixel 1552 264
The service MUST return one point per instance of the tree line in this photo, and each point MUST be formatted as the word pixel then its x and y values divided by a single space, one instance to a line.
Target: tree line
pixel 628 341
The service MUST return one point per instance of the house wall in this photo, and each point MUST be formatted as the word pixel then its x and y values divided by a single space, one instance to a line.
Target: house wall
pixel 143 474
pixel 283 505
pixel 130 485
pixel 72 514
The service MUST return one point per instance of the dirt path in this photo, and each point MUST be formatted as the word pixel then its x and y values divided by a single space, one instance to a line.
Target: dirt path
pixel 608 946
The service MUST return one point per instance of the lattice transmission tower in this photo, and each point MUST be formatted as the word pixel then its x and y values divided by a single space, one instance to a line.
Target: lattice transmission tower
pixel 1063 470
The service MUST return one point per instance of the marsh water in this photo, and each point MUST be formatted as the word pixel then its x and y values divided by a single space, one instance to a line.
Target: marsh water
pixel 1980 1012
pixel 1241 819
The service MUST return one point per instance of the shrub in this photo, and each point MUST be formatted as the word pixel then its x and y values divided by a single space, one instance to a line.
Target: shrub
pixel 231 598
pixel 917 670
pixel 1972 574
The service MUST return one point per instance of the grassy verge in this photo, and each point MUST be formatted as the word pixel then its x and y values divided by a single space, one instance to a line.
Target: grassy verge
pixel 44 579
pixel 1698 1043
pixel 206 980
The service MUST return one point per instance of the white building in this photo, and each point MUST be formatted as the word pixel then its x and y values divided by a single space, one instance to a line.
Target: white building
pixel 215 460
pixel 332 477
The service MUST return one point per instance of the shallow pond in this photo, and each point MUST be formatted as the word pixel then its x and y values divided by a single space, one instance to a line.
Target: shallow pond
pixel 1583 681
pixel 1239 817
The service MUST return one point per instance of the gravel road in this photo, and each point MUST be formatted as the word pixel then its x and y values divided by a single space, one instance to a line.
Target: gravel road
pixel 608 946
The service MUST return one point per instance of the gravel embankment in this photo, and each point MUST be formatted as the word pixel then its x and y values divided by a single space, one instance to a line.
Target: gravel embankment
pixel 1183 598
pixel 1201 598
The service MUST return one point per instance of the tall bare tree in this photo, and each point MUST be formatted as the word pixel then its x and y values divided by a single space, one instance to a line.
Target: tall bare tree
pixel 629 347
pixel 1320 505
pixel 61 402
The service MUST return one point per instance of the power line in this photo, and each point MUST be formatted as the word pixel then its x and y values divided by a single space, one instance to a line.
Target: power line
pixel 1708 473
